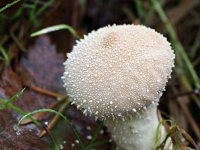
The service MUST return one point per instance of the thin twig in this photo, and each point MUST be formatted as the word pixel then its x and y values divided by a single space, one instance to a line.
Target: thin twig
pixel 15 39
pixel 51 136
pixel 189 117
pixel 45 92
pixel 56 117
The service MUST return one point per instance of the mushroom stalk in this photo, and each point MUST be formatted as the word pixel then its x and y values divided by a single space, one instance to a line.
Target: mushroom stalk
pixel 138 132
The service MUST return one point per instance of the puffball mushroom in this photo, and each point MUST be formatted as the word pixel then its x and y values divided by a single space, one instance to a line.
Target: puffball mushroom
pixel 117 74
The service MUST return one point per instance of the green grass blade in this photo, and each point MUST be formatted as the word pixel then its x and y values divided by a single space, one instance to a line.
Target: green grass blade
pixel 32 15
pixel 12 99
pixel 18 110
pixel 157 134
pixel 91 144
pixel 5 56
pixel 29 6
pixel 139 8
pixel 99 143
pixel 196 45
pixel 44 7
pixel 71 126
pixel 162 144
pixel 40 110
pixel 56 28
pixel 9 5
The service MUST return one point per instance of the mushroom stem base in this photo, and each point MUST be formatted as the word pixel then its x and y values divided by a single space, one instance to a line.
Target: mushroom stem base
pixel 137 133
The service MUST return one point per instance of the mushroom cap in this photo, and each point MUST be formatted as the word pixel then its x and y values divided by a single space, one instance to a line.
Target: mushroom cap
pixel 118 70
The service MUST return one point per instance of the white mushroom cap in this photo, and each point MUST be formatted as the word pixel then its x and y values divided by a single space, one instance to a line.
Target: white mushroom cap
pixel 117 70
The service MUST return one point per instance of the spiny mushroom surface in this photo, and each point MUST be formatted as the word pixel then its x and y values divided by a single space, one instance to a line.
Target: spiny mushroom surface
pixel 118 70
